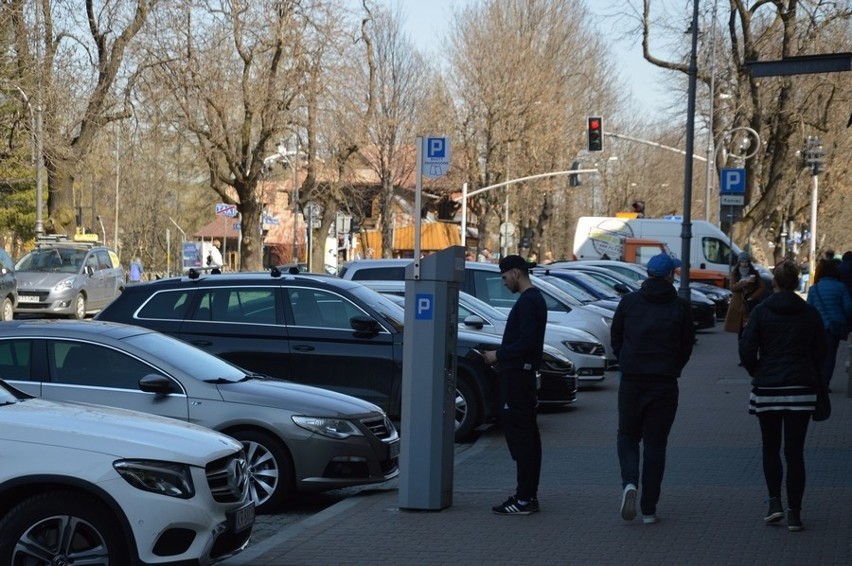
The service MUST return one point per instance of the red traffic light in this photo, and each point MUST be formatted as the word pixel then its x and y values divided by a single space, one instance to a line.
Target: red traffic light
pixel 595 133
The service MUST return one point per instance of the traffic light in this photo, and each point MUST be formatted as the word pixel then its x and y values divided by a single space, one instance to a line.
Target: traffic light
pixel 595 131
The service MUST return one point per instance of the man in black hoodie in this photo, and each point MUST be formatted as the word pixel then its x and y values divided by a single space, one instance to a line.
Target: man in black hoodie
pixel 652 336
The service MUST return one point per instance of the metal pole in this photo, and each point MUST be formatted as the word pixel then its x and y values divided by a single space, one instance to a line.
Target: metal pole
pixel 296 204
pixel 708 187
pixel 464 217
pixel 686 233
pixel 117 181
pixel 417 205
pixel 812 247
pixel 39 226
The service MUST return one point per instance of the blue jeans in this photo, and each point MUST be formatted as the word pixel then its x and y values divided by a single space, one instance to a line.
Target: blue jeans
pixel 646 412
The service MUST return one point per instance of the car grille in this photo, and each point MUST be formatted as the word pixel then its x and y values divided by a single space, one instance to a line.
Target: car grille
pixel 228 478
pixel 381 427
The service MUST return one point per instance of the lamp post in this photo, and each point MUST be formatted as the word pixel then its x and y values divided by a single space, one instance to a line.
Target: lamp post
pixel 813 154
pixel 711 151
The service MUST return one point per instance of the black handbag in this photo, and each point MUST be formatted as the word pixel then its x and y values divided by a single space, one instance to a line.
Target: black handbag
pixel 822 410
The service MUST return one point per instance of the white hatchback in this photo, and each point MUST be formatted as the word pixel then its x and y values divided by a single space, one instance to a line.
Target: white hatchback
pixel 86 484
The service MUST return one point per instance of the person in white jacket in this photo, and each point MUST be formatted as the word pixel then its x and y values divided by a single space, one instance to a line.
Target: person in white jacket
pixel 214 258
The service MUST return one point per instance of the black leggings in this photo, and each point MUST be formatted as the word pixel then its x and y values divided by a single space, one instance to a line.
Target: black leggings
pixel 794 427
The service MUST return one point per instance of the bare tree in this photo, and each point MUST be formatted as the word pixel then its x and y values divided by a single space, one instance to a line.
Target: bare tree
pixel 526 74
pixel 784 110
pixel 400 83
pixel 234 70
pixel 77 70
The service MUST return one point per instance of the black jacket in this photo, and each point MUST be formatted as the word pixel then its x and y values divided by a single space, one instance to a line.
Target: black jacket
pixel 523 339
pixel 652 331
pixel 784 342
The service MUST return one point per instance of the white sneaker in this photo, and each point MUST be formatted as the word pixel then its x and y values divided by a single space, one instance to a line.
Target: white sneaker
pixel 628 502
pixel 650 519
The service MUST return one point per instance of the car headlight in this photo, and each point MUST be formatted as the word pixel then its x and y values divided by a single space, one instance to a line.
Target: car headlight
pixel 607 320
pixel 581 347
pixel 165 478
pixel 330 427
pixel 64 284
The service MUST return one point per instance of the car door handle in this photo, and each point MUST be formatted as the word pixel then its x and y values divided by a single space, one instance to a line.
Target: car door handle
pixel 201 343
pixel 303 348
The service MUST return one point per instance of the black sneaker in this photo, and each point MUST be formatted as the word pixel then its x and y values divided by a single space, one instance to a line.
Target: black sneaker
pixel 776 510
pixel 534 506
pixel 513 507
pixel 794 521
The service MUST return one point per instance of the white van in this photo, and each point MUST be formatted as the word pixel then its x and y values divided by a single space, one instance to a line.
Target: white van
pixel 598 235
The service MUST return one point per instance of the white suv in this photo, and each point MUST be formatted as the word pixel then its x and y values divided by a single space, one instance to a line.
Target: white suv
pixel 89 484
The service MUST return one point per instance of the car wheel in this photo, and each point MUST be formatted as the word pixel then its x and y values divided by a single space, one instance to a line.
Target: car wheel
pixel 468 410
pixel 61 527
pixel 79 307
pixel 270 467
pixel 8 312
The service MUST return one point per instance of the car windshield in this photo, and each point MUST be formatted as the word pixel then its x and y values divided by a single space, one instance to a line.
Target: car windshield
pixel 189 359
pixel 390 312
pixel 483 308
pixel 571 288
pixel 63 260
pixel 603 291
pixel 554 291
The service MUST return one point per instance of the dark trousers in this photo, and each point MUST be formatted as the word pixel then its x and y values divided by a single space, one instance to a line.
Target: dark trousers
pixel 830 357
pixel 646 412
pixel 521 429
pixel 793 426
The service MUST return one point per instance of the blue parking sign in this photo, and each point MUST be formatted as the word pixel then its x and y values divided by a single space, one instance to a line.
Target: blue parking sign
pixel 732 181
pixel 424 304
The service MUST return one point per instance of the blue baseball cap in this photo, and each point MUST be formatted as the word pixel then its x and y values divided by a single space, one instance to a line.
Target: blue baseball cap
pixel 662 264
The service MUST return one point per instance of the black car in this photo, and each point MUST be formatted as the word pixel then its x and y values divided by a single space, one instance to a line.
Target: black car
pixel 8 286
pixel 311 329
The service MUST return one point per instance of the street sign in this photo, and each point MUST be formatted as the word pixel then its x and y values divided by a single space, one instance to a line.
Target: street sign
pixel 733 181
pixel 270 220
pixel 732 200
pixel 674 217
pixel 229 210
pixel 237 226
pixel 435 157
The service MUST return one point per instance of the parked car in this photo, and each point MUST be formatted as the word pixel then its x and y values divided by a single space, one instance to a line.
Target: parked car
pixel 557 381
pixel 296 437
pixel 703 308
pixel 483 281
pixel 309 328
pixel 8 286
pixel 583 349
pixel 67 278
pixel 85 484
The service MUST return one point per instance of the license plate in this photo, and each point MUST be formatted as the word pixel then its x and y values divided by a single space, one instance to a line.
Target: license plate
pixel 242 518
pixel 393 450
pixel 27 299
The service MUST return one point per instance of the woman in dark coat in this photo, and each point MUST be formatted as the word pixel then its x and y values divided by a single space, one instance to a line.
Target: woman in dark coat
pixel 782 348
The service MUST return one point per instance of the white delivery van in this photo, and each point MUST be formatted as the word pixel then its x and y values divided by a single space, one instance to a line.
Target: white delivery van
pixel 597 236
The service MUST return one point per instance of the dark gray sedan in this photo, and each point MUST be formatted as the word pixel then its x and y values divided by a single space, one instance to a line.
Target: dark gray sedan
pixel 296 437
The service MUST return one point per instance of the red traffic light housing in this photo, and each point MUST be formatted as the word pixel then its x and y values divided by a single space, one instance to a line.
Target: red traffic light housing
pixel 595 132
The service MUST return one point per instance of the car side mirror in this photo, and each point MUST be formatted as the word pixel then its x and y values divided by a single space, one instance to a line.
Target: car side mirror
pixel 366 325
pixel 156 383
pixel 474 321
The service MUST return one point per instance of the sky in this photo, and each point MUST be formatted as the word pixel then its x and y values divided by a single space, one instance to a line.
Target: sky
pixel 428 21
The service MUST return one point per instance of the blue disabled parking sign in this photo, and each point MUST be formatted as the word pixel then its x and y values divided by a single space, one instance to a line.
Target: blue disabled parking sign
pixel 436 157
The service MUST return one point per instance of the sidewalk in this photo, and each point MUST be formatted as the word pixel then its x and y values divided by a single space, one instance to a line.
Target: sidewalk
pixel 711 509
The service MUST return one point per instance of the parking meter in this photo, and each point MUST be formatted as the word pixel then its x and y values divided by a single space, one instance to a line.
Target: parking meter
pixel 429 381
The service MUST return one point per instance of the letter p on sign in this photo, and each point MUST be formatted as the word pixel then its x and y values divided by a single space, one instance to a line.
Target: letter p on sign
pixel 424 304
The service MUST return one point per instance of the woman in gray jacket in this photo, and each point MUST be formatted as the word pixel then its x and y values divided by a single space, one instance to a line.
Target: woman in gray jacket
pixel 782 348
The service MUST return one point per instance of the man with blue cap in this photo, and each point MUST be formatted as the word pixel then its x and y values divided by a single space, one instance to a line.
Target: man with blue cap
pixel 652 336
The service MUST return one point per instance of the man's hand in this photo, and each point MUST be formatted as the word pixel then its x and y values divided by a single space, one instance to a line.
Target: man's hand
pixel 490 357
